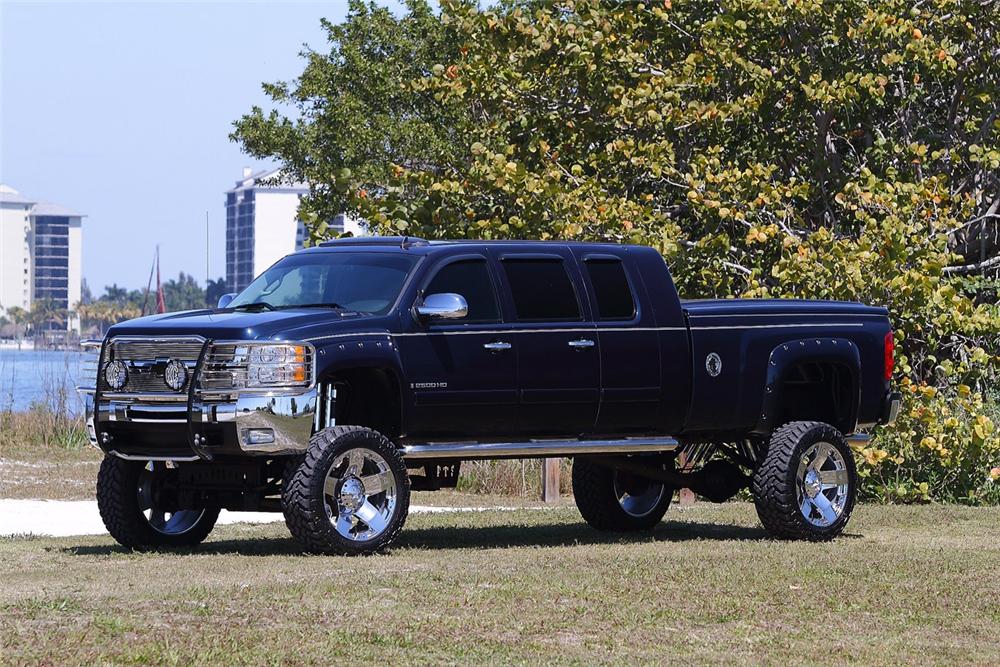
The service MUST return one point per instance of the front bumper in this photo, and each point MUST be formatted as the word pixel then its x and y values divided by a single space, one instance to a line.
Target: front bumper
pixel 252 424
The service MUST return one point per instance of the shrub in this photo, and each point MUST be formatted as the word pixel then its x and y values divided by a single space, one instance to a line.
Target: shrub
pixel 945 446
pixel 511 478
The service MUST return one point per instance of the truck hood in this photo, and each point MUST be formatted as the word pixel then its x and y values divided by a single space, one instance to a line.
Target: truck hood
pixel 228 324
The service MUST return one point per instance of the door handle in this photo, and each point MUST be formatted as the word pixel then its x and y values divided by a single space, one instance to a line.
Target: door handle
pixel 498 346
pixel 581 343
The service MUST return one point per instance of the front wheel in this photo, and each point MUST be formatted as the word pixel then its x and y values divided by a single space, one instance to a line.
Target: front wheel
pixel 138 506
pixel 350 493
pixel 806 486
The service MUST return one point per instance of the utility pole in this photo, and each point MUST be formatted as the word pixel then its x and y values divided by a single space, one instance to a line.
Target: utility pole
pixel 206 251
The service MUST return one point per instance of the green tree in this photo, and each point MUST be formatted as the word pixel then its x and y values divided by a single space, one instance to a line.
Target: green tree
pixel 115 293
pixel 844 150
pixel 18 317
pixel 355 115
pixel 184 293
pixel 213 290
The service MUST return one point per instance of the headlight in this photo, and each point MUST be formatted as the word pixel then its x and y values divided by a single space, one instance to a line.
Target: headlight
pixel 238 366
pixel 278 365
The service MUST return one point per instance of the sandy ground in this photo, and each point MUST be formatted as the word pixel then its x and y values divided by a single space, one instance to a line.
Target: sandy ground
pixel 60 518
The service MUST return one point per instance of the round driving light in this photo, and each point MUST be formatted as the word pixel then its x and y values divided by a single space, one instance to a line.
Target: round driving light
pixel 175 375
pixel 116 374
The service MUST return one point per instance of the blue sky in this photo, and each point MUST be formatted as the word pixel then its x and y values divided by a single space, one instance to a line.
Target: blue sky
pixel 122 111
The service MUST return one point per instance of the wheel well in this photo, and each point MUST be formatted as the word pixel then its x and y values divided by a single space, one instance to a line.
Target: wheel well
pixel 824 391
pixel 368 397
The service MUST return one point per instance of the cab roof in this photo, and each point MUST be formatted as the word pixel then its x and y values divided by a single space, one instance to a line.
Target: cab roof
pixel 423 246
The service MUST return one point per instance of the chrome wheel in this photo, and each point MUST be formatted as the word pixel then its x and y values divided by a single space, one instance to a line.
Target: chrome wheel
pixel 822 484
pixel 638 497
pixel 360 494
pixel 160 520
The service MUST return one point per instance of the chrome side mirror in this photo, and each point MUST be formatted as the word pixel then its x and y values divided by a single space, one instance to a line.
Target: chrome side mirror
pixel 226 298
pixel 445 306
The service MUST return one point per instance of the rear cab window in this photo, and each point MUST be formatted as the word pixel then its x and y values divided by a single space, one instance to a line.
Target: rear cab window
pixel 612 291
pixel 541 289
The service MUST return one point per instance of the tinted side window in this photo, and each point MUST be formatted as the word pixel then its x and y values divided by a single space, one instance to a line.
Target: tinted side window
pixel 542 289
pixel 614 298
pixel 471 279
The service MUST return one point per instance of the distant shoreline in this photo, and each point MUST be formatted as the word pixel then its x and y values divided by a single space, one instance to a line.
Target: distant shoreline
pixel 9 344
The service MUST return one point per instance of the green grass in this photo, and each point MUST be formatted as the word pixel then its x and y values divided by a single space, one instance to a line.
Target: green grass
pixel 906 585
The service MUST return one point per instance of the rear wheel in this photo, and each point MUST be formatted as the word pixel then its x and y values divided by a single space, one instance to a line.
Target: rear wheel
pixel 807 484
pixel 349 494
pixel 616 500
pixel 138 507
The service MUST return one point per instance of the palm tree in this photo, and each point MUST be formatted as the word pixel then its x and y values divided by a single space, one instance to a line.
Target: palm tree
pixel 19 316
pixel 115 293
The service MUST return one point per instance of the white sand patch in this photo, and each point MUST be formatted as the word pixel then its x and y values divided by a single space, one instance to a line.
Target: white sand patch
pixel 60 518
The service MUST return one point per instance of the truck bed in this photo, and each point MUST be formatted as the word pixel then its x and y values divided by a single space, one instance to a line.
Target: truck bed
pixel 744 340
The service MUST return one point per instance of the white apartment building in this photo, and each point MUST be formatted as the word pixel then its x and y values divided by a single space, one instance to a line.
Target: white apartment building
pixel 262 224
pixel 41 250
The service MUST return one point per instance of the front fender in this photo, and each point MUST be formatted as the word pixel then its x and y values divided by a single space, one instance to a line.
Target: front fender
pixel 345 354
pixel 361 350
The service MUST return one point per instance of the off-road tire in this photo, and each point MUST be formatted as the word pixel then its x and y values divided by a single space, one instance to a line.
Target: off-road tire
pixel 774 482
pixel 118 503
pixel 594 492
pixel 303 492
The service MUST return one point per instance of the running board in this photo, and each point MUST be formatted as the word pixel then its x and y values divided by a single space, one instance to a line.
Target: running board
pixel 535 449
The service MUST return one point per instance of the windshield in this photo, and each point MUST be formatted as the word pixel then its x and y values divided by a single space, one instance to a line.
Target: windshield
pixel 366 282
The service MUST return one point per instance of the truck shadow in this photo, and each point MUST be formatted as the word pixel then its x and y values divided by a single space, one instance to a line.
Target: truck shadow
pixel 468 537
pixel 567 534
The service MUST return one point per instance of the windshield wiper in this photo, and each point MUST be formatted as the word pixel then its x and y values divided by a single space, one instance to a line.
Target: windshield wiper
pixel 264 305
pixel 314 305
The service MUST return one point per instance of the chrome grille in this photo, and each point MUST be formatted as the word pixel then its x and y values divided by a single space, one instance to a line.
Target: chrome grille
pixel 220 372
pixel 184 349
pixel 144 358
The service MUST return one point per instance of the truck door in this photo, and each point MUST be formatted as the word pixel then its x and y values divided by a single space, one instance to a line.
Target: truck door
pixel 558 351
pixel 462 372
pixel 630 347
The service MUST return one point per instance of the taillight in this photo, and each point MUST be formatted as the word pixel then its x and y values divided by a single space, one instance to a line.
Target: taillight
pixel 889 356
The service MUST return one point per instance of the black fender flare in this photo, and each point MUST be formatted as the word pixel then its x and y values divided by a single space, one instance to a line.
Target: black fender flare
pixel 364 350
pixel 840 351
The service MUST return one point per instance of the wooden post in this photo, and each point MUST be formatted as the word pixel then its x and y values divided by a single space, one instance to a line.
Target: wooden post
pixel 550 480
pixel 684 496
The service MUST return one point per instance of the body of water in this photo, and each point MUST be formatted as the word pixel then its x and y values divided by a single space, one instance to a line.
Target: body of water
pixel 46 377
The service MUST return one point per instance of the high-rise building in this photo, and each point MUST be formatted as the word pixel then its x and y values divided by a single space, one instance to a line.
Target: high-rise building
pixel 40 255
pixel 262 224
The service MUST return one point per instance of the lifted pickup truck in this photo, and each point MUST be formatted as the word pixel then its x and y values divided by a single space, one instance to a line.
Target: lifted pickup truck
pixel 350 373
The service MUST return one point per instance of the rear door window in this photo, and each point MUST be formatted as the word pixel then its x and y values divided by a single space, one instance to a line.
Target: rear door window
pixel 542 289
pixel 471 279
pixel 611 289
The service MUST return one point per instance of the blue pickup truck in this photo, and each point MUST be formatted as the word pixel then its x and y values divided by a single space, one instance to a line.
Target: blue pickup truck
pixel 350 373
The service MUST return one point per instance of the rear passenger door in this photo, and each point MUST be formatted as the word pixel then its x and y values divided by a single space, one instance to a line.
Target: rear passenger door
pixel 629 344
pixel 558 352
